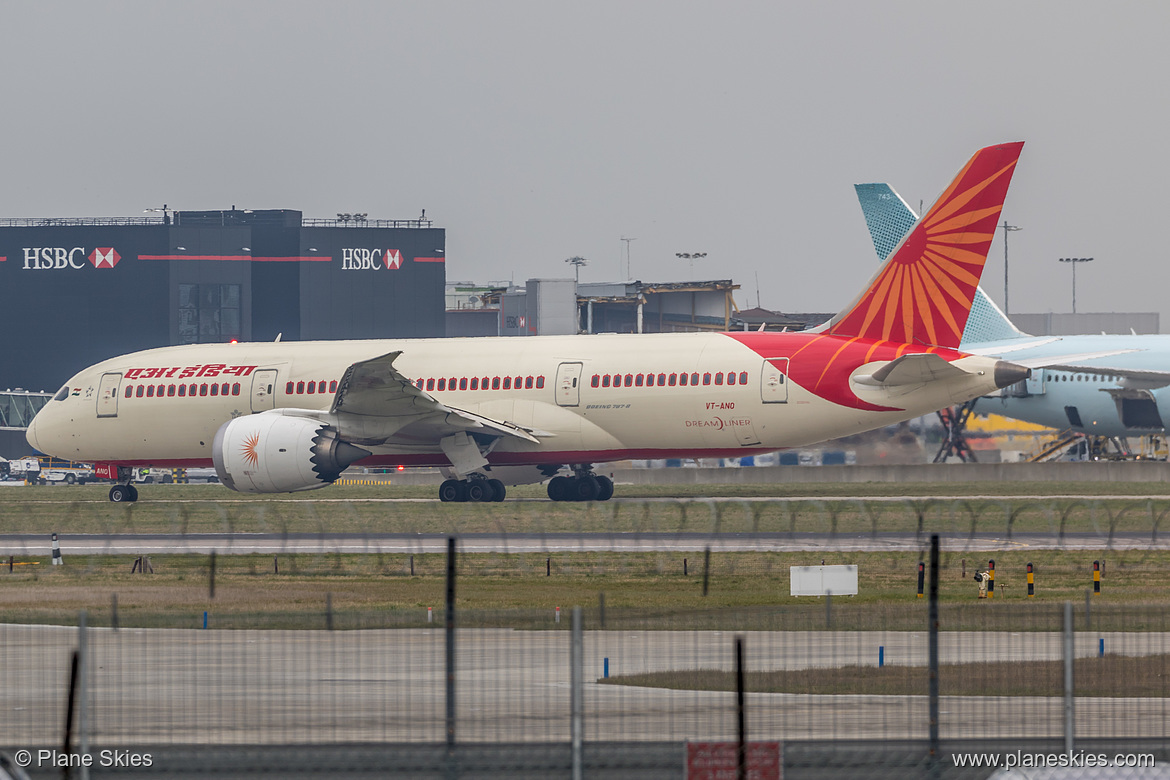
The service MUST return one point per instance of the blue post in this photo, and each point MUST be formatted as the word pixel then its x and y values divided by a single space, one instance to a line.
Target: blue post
pixel 205 618
pixel 606 671
pixel 881 656
pixel 1101 647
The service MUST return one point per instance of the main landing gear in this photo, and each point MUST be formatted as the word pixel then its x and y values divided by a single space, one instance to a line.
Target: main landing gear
pixel 582 486
pixel 474 489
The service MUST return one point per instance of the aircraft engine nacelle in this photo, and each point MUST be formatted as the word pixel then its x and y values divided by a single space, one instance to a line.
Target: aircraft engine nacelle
pixel 278 453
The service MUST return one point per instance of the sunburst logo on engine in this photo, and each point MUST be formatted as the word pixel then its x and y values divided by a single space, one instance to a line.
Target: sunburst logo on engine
pixel 249 449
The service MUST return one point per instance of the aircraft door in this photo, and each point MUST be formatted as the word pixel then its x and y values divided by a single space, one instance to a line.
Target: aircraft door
pixel 107 400
pixel 774 381
pixel 263 390
pixel 569 384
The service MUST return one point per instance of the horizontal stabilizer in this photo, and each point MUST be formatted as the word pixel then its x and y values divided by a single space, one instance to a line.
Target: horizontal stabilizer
pixel 910 370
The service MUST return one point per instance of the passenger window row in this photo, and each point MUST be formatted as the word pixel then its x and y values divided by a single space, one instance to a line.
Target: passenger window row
pixel 181 391
pixel 667 380
pixel 480 383
pixel 310 388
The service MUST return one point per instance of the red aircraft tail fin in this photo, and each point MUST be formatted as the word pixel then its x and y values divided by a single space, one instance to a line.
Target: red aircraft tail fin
pixel 923 293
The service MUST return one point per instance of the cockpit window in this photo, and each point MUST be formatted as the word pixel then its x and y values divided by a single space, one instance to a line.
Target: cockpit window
pixel 62 394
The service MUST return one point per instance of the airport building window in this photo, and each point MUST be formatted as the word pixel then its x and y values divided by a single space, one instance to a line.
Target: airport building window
pixel 209 313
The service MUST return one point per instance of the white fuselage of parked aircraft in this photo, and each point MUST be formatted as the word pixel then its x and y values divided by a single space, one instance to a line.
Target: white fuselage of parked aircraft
pixel 282 417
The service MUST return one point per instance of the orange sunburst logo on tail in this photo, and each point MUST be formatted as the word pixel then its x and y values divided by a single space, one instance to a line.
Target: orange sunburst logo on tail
pixel 924 292
pixel 249 449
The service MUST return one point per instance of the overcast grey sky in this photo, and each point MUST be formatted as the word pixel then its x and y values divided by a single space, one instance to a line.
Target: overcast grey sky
pixel 537 131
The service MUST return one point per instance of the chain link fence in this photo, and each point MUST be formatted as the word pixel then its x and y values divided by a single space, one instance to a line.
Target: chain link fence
pixel 839 688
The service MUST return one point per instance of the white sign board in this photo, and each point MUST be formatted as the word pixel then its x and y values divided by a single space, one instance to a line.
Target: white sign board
pixel 822 580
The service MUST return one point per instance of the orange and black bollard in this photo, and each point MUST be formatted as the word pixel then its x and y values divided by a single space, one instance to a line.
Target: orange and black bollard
pixel 921 577
pixel 1031 583
pixel 991 579
pixel 1096 576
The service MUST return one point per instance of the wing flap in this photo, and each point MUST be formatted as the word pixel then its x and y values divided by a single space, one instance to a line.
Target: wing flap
pixel 374 388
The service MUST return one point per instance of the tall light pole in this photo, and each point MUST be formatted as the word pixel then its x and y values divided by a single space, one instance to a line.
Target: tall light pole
pixel 692 257
pixel 1074 261
pixel 1006 229
pixel 576 262
pixel 628 240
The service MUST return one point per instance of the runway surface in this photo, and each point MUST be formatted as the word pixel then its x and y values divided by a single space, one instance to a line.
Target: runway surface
pixel 157 686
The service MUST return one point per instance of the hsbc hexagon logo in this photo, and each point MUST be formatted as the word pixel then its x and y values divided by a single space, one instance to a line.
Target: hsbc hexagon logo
pixel 57 258
pixel 393 259
pixel 104 257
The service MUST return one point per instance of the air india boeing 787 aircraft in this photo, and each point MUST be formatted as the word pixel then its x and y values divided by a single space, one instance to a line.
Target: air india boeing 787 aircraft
pixel 282 417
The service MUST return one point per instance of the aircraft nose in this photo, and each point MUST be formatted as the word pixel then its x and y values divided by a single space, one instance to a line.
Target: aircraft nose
pixel 31 434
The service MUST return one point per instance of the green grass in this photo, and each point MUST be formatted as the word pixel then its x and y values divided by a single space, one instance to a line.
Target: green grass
pixel 1109 676
pixel 644 590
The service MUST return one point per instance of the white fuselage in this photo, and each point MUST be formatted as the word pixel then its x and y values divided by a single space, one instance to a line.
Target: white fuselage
pixel 163 406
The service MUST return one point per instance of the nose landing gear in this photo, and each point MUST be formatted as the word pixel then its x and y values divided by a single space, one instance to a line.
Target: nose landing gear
pixel 124 492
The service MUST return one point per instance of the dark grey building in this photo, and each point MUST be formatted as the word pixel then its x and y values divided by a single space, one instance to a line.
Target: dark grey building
pixel 76 291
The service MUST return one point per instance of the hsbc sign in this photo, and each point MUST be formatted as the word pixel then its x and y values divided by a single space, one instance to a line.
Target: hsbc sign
pixel 55 258
pixel 354 259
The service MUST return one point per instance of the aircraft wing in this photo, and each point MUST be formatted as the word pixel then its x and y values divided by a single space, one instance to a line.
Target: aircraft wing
pixel 375 389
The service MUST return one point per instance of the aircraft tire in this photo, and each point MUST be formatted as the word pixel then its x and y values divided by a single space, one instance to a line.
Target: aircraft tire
pixel 451 491
pixel 558 488
pixel 605 488
pixel 121 494
pixel 133 492
pixel 500 490
pixel 585 488
pixel 478 490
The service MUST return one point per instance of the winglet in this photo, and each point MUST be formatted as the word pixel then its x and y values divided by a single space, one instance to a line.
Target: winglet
pixel 923 293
